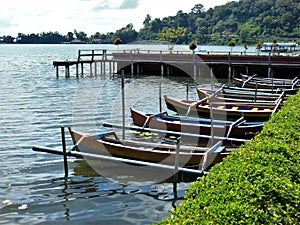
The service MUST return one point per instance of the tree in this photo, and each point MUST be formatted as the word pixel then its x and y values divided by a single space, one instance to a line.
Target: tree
pixel 147 20
pixel 172 35
pixel 117 41
pixel 127 34
pixel 7 39
pixel 193 46
pixel 258 47
pixel 231 44
pixel 70 36
pixel 80 35
pixel 198 9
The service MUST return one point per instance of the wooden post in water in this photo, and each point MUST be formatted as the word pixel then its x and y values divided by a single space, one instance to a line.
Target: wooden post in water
pixel 187 91
pixel 269 65
pixel 195 66
pixel 229 68
pixel 91 69
pixel 137 69
pixel 123 105
pixel 104 68
pixel 159 97
pixel 114 67
pixel 211 77
pixel 110 67
pixel 95 68
pixel 57 72
pixel 177 159
pixel 77 73
pixel 67 71
pixel 131 63
pixel 63 140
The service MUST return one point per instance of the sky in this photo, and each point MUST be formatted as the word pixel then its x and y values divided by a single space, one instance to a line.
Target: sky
pixel 89 16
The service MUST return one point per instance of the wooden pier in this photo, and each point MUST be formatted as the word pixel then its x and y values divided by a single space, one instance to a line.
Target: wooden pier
pixel 90 57
pixel 223 65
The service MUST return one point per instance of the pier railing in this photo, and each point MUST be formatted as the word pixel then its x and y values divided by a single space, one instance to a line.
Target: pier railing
pixel 135 56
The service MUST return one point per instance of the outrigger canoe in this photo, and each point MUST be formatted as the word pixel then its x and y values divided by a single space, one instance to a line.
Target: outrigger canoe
pixel 228 111
pixel 252 91
pixel 109 144
pixel 268 84
pixel 241 97
pixel 269 80
pixel 202 126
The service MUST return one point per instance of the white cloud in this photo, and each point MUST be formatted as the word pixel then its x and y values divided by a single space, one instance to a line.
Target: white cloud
pixel 129 4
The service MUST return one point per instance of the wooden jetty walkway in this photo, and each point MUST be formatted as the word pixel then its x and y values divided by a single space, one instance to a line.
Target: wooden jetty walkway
pixel 168 63
pixel 89 57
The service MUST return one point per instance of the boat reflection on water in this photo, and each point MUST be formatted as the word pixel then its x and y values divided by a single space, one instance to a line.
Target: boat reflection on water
pixel 124 173
pixel 128 179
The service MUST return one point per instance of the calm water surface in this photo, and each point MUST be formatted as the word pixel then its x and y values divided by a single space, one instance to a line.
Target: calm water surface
pixel 34 104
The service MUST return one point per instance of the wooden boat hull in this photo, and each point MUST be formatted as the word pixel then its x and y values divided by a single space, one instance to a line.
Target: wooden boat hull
pixel 143 151
pixel 219 110
pixel 195 126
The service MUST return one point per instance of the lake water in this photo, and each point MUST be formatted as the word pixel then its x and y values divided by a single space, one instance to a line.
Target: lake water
pixel 34 104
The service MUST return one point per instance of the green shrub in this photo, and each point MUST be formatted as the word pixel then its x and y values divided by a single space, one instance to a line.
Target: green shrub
pixel 258 184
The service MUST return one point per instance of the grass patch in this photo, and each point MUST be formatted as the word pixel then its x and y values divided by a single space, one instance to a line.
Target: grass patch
pixel 259 184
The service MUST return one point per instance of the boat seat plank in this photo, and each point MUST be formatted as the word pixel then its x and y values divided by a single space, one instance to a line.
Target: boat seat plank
pixel 219 149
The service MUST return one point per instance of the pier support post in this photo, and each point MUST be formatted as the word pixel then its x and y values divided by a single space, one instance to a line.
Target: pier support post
pixel 77 72
pixel 162 70
pixel 67 71
pixel 137 69
pixel 57 72
pixel 104 68
pixel 91 69
pixel 81 69
pixel 109 66
pixel 95 66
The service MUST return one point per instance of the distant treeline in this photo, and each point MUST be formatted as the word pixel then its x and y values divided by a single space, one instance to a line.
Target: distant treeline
pixel 245 22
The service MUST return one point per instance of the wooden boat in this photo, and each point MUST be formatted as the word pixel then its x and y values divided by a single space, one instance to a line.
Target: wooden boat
pixel 219 110
pixel 109 144
pixel 252 91
pixel 264 83
pixel 269 80
pixel 203 126
pixel 242 97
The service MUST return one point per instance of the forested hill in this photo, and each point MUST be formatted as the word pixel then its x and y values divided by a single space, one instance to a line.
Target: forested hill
pixel 246 21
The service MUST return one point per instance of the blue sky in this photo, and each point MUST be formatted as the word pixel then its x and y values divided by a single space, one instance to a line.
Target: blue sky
pixel 90 16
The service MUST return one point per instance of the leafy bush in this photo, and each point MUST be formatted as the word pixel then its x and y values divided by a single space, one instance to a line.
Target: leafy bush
pixel 259 184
